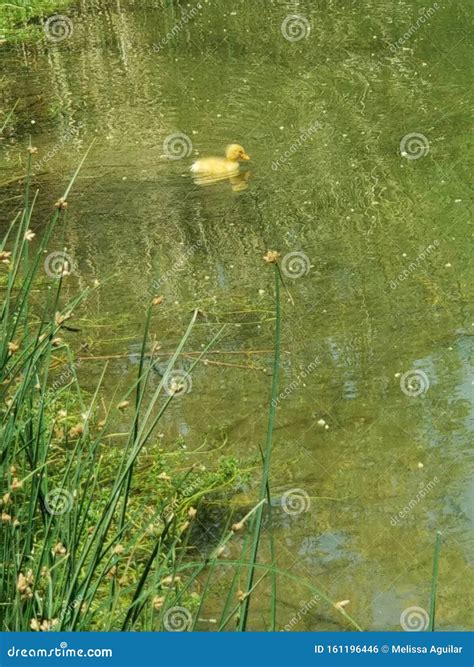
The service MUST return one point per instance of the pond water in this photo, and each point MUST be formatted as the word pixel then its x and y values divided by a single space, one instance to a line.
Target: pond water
pixel 374 422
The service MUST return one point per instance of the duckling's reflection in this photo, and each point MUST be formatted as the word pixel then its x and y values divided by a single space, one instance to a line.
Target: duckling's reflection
pixel 238 182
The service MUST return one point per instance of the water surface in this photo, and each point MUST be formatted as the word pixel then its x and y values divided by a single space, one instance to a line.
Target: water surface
pixel 382 282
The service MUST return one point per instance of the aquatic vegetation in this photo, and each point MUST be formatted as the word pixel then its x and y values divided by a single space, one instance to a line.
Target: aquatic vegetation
pixel 98 534
pixel 75 532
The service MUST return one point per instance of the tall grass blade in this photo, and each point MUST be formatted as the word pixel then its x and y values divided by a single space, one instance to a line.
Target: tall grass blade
pixel 434 581
pixel 257 522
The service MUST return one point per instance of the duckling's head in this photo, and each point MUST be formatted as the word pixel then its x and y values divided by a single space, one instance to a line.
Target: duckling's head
pixel 236 152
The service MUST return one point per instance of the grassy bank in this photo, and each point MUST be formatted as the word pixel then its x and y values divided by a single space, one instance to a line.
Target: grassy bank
pixel 23 20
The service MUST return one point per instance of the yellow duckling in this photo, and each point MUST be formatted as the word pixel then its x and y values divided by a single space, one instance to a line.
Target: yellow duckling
pixel 220 167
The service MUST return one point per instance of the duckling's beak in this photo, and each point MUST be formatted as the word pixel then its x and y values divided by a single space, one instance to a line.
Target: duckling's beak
pixel 244 156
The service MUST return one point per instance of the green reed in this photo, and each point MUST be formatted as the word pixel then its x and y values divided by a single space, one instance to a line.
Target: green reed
pixel 264 484
pixel 434 581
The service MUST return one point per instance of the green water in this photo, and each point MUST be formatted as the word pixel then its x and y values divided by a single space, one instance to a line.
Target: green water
pixel 383 247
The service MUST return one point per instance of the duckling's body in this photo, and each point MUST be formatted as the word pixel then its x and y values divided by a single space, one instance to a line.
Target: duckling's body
pixel 220 167
pixel 215 166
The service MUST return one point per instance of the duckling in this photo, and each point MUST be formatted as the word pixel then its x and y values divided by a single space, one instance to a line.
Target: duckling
pixel 219 167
